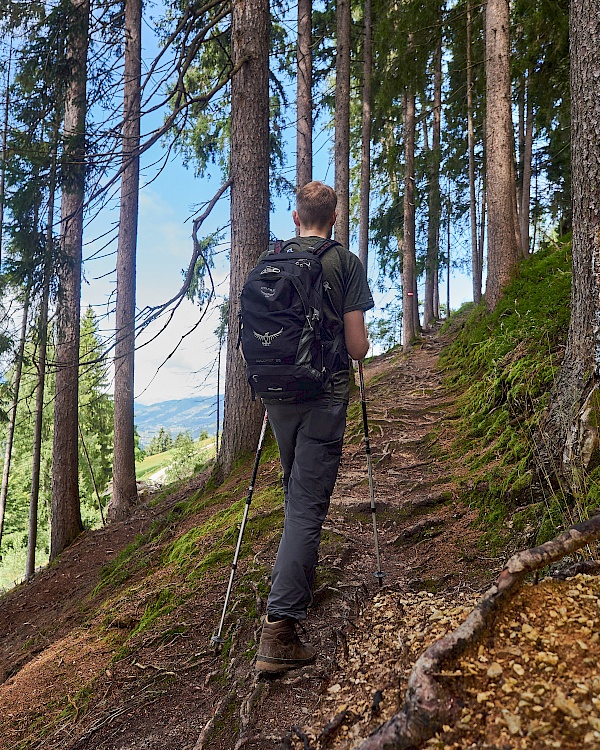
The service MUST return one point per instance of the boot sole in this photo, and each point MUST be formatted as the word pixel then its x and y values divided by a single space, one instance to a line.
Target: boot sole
pixel 264 664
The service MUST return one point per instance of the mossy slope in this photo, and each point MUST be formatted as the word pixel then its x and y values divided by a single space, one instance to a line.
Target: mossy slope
pixel 505 364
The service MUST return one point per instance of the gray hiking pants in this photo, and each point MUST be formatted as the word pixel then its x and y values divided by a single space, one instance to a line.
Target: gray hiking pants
pixel 309 436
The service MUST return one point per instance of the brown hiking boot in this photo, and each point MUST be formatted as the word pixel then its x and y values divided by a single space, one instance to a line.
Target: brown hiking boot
pixel 280 648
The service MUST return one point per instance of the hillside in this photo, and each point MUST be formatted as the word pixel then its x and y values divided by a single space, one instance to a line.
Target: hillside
pixel 193 414
pixel 110 647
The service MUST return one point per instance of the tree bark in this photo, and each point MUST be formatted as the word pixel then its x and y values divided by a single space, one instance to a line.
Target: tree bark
pixel 42 358
pixel 66 514
pixel 304 125
pixel 39 397
pixel 434 207
pixel 525 211
pixel 249 209
pixel 436 285
pixel 342 123
pixel 482 226
pixel 502 247
pixel 4 145
pixel 409 330
pixel 365 152
pixel 12 414
pixel 448 248
pixel 124 495
pixel 572 430
pixel 475 263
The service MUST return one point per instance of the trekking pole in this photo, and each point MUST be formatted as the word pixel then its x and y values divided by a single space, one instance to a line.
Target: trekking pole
pixel 218 638
pixel 379 574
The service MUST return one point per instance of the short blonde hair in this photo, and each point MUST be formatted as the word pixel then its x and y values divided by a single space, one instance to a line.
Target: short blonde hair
pixel 315 204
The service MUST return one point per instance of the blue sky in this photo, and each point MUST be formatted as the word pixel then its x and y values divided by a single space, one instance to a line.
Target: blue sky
pixel 167 202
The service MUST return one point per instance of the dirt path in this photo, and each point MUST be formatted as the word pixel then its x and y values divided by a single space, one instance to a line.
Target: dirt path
pixel 428 551
pixel 174 693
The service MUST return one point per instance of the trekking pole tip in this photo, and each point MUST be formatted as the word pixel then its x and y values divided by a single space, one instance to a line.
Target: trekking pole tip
pixel 217 641
pixel 380 575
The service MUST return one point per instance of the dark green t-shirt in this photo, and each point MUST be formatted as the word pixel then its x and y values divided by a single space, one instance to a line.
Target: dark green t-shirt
pixel 346 290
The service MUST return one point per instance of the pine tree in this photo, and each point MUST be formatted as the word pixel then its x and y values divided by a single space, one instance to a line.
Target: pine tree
pixel 365 152
pixel 124 482
pixel 502 245
pixel 304 156
pixel 434 200
pixel 95 413
pixel 342 122
pixel 249 206
pixel 572 427
pixel 66 514
pixel 409 279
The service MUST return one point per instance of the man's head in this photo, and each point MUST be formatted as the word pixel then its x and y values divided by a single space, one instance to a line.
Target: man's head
pixel 315 209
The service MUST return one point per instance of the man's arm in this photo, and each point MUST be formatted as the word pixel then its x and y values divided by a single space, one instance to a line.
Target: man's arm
pixel 355 334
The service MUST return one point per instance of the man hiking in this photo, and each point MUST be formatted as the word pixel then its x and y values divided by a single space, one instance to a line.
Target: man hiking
pixel 309 431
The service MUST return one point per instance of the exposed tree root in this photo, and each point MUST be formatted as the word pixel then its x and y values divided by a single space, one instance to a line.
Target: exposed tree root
pixel 428 702
pixel 208 727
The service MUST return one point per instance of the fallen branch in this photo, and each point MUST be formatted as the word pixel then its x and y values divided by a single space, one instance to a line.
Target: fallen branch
pixel 330 730
pixel 428 705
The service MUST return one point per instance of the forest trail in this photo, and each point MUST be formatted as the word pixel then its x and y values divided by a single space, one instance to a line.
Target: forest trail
pixel 168 690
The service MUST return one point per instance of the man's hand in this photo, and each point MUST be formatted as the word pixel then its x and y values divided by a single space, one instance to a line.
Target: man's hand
pixel 355 334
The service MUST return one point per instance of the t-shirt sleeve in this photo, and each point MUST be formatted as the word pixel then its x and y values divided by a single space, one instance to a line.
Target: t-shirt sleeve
pixel 357 295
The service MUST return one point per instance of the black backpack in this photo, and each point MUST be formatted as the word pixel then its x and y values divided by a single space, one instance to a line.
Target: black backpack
pixel 289 356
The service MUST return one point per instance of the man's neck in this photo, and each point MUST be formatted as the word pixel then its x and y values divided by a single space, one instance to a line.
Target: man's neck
pixel 315 232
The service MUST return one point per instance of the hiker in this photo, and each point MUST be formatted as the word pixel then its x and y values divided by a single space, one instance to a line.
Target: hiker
pixel 309 431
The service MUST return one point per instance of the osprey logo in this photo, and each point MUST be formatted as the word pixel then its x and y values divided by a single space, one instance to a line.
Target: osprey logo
pixel 327 286
pixel 266 339
pixel 267 291
pixel 303 263
pixel 270 269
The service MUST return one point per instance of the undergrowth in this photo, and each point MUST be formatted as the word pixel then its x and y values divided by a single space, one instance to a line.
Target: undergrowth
pixel 505 364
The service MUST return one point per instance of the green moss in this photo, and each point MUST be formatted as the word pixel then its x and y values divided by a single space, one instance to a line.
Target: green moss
pixel 164 602
pixel 504 365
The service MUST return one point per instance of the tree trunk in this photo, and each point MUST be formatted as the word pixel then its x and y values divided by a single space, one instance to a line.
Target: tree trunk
pixel 482 226
pixel 249 208
pixel 304 96
pixel 365 152
pixel 448 260
pixel 572 427
pixel 436 283
pixel 342 123
pixel 124 496
pixel 525 211
pixel 4 144
pixel 218 420
pixel 409 330
pixel 41 382
pixel 502 246
pixel 434 207
pixel 475 264
pixel 12 414
pixel 66 514
pixel 42 359
pixel 520 139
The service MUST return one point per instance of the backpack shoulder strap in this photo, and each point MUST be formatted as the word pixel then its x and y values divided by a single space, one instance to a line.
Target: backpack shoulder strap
pixel 280 246
pixel 321 247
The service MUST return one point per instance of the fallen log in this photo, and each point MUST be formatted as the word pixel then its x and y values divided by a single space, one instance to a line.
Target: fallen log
pixel 428 703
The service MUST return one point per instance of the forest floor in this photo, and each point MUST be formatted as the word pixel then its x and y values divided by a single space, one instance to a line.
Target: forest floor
pixel 128 665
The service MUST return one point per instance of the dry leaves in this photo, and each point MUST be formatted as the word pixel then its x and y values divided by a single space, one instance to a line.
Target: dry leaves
pixel 533 683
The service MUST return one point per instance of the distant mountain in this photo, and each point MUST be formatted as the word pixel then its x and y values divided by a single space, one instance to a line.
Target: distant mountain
pixel 193 414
